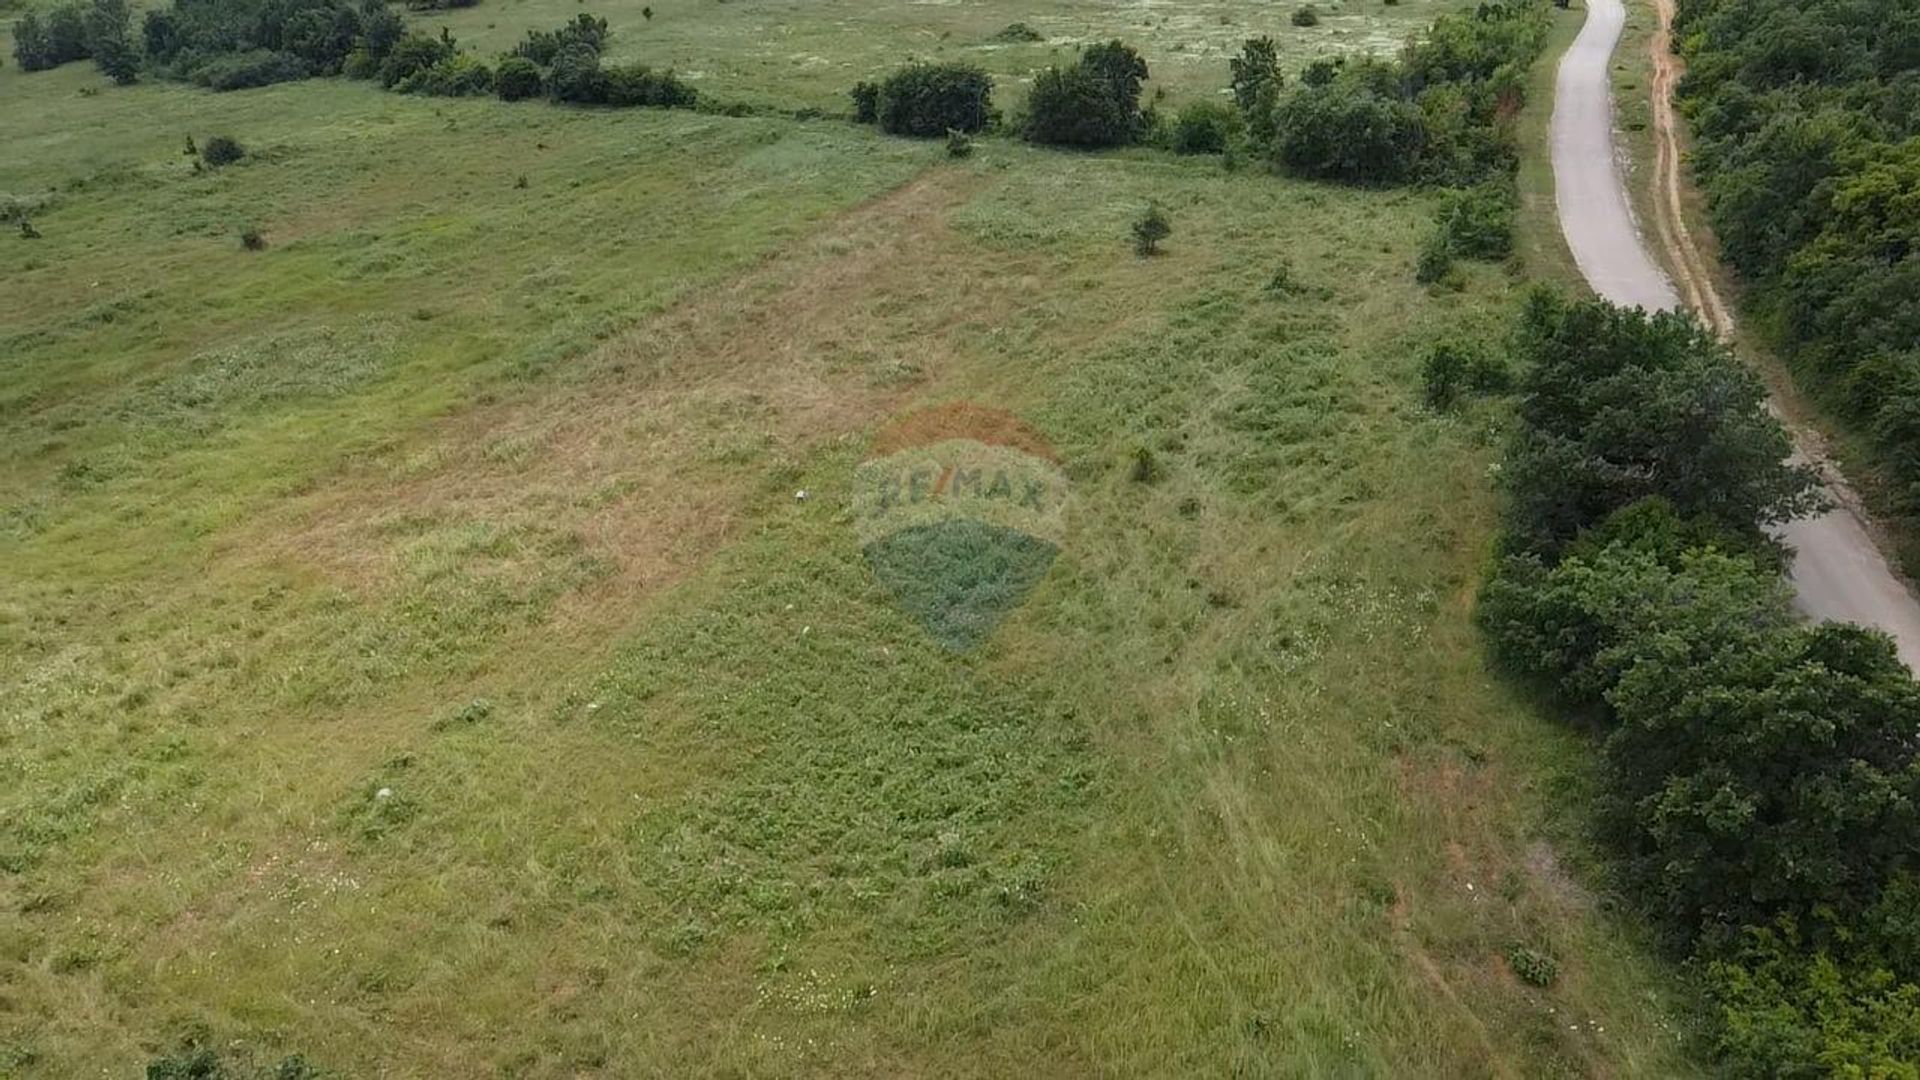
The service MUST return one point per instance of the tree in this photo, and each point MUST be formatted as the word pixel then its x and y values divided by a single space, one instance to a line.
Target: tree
pixel 575 76
pixel 1755 775
pixel 516 79
pixel 866 102
pixel 1093 102
pixel 927 100
pixel 1255 69
pixel 110 40
pixel 32 48
pixel 1618 405
pixel 411 55
pixel 1348 131
pixel 1149 229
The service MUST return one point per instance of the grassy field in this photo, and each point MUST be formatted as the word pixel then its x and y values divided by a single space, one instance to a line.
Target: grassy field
pixel 791 53
pixel 413 655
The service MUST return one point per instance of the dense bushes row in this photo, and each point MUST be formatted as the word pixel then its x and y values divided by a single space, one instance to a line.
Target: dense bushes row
pixel 1095 101
pixel 237 44
pixel 1760 774
pixel 1807 115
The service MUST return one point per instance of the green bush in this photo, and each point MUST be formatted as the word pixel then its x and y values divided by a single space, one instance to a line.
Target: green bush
pixel 517 79
pixel 1788 1007
pixel 959 144
pixel 412 55
pixel 1094 102
pixel 1149 229
pixel 246 70
pixel 1204 127
pixel 544 46
pixel 575 76
pixel 1532 966
pixel 1478 223
pixel 636 84
pixel 1305 16
pixel 221 150
pixel 1255 70
pixel 1017 33
pixel 1435 260
pixel 1348 131
pixel 926 100
pixel 460 75
pixel 58 38
pixel 866 102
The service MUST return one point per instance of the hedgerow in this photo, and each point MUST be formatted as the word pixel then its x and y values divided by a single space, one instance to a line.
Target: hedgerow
pixel 1761 785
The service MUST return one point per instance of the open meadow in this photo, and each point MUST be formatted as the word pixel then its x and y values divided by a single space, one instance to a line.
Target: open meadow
pixel 414 656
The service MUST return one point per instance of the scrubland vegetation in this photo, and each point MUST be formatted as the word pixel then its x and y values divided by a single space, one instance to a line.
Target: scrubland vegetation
pixel 1808 123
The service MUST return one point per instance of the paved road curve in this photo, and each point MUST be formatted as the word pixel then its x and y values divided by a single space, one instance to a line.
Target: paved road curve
pixel 1837 571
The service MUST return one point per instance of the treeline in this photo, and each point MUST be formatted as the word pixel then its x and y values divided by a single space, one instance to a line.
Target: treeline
pixel 1807 117
pixel 237 44
pixel 1442 112
pixel 1760 779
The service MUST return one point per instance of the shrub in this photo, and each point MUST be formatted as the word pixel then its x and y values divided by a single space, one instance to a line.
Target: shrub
pixel 246 70
pixel 31 49
pixel 1443 375
pixel 866 102
pixel 412 55
pixel 1533 967
pixel 42 43
pixel 1790 1005
pixel 460 75
pixel 1094 102
pixel 575 76
pixel 1018 32
pixel 360 64
pixel 636 84
pixel 544 46
pixel 932 99
pixel 1204 127
pixel 1478 223
pixel 221 150
pixel 1436 258
pixel 109 37
pixel 1149 229
pixel 381 28
pixel 117 60
pixel 1255 70
pixel 1304 16
pixel 251 240
pixel 516 79
pixel 1347 131
pixel 959 144
pixel 67 33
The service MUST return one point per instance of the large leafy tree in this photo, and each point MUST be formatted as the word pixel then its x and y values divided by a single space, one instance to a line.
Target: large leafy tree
pixel 1618 405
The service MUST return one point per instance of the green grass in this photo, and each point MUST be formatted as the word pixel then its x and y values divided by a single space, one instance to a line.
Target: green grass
pixel 413 656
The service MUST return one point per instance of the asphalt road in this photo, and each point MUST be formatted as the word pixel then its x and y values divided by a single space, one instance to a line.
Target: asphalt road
pixel 1837 573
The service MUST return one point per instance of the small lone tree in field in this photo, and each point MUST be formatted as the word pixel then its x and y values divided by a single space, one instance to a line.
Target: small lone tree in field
pixel 1149 229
